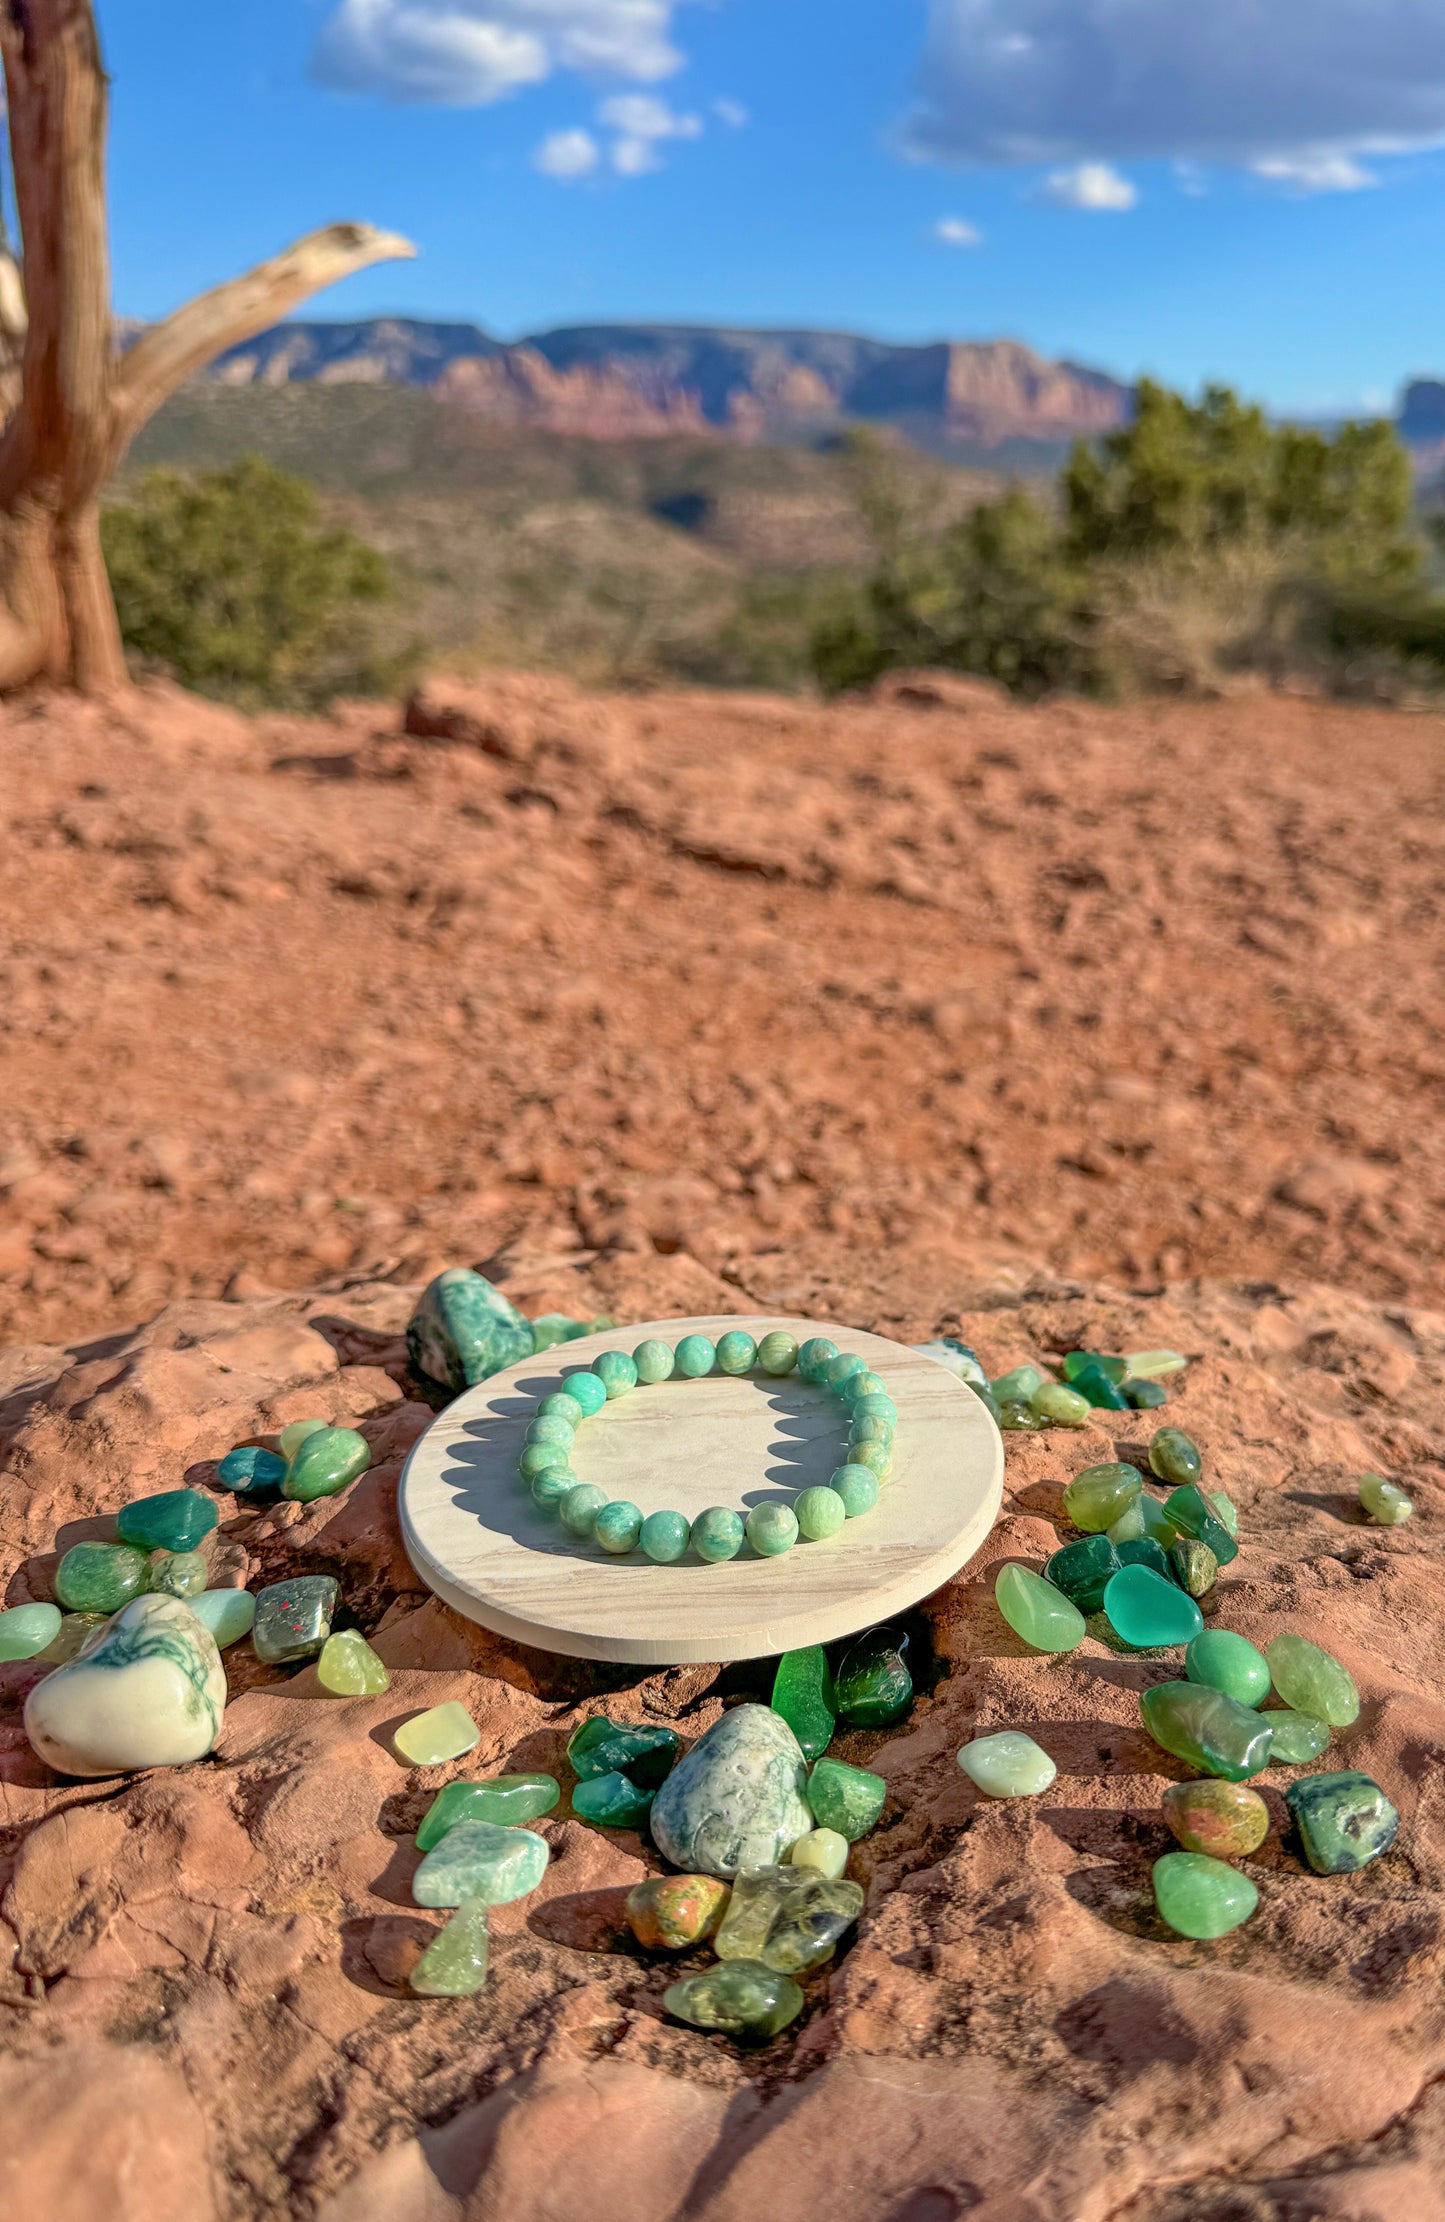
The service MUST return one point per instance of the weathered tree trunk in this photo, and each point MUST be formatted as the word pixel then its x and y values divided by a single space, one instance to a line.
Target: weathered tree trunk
pixel 79 405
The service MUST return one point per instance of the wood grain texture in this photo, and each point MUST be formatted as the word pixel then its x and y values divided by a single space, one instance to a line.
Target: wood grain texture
pixel 475 1537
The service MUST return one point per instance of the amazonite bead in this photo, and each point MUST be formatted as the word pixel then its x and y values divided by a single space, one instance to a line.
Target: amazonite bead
pixel 587 1390
pixel 615 1370
pixel 427 1739
pixel 1148 1612
pixel 618 1526
pixel 1036 1611
pixel 25 1630
pixel 665 1536
pixel 454 1964
pixel 876 1407
pixel 550 1427
pixel 772 1529
pixel 551 1488
pixel 290 1439
pixel 841 1369
pixel 1007 1765
pixel 1311 1681
pixel 560 1406
pixel 1225 1661
pixel 861 1384
pixel 877 1457
pixel 735 1351
pixel 695 1357
pixel 815 1357
pixel 777 1353
pixel 1201 1897
pixel 717 1534
pixel 654 1361
pixel 1096 1498
pixel 870 1428
pixel 228 1613
pixel 1385 1501
pixel 820 1513
pixel 580 1507
pixel 1059 1405
pixel 537 1457
pixel 857 1485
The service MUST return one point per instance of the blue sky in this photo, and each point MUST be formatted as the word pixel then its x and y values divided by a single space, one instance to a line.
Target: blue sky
pixel 1242 189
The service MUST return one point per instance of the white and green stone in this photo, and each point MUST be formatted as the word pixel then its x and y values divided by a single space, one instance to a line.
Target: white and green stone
pixel 737 1798
pixel 464 1330
pixel 477 1859
pixel 148 1692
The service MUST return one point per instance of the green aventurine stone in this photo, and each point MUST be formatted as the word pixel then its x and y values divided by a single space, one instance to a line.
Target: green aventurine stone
pixel 25 1630
pixel 176 1520
pixel 847 1799
pixel 735 1351
pixel 463 1329
pixel 1087 1361
pixel 293 1619
pixel 671 1913
pixel 1385 1501
pixel 100 1577
pixel 475 1859
pixel 251 1471
pixel 772 1529
pixel 1194 1566
pixel 1149 1612
pixel 815 1357
pixel 1019 1383
pixel 789 1918
pixel 873 1686
pixel 777 1353
pixel 442 1732
pixel 718 1534
pixel 1224 1661
pixel 600 1747
pixel 1201 1897
pixel 1344 1820
pixel 1296 1738
pixel 740 1998
pixel 228 1613
pixel 1310 1681
pixel 1060 1406
pixel 1207 1729
pixel 1083 1570
pixel 1042 1615
pixel 1007 1765
pixel 1098 1498
pixel 612 1802
pixel 177 1573
pixel 1097 1390
pixel 1226 1820
pixel 454 1964
pixel 803 1695
pixel 1174 1456
pixel 1193 1515
pixel 348 1666
pixel 325 1463
pixel 504 1800
pixel 664 1537
pixel 654 1361
pixel 615 1370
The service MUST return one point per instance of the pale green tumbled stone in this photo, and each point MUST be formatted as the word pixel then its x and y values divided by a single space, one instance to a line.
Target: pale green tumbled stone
pixel 1143 1518
pixel 777 1353
pixel 789 1918
pixel 464 1330
pixel 735 1351
pixel 294 1434
pixel 25 1630
pixel 228 1613
pixel 1059 1405
pixel 1042 1615
pixel 695 1356
pixel 454 1964
pixel 1225 1512
pixel 581 1506
pixel 1096 1499
pixel 177 1573
pixel 1201 1897
pixel 1018 1383
pixel 618 1526
pixel 442 1732
pixel 348 1666
pixel 820 1513
pixel 773 1528
pixel 1295 1738
pixel 664 1537
pixel 615 1370
pixel 822 1850
pixel 1007 1765
pixel 718 1534
pixel 1153 1365
pixel 1310 1681
pixel 476 1859
pixel 654 1361
pixel 1385 1501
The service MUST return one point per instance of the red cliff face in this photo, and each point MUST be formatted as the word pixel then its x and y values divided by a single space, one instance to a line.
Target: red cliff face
pixel 519 386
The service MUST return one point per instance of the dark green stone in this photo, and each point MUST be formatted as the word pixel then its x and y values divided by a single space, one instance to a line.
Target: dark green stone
pixel 1193 1565
pixel 601 1747
pixel 463 1330
pixel 100 1577
pixel 1144 1396
pixel 1093 1383
pixel 610 1801
pixel 325 1463
pixel 1193 1515
pixel 251 1471
pixel 1080 1362
pixel 1142 1550
pixel 803 1694
pixel 293 1619
pixel 176 1520
pixel 1174 1456
pixel 1082 1570
pixel 741 1998
pixel 873 1685
pixel 1344 1820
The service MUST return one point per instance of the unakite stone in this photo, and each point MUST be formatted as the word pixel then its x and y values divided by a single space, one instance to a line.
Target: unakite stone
pixel 1042 1615
pixel 177 1573
pixel 25 1630
pixel 1143 1518
pixel 475 1859
pixel 1174 1456
pixel 1154 1365
pixel 856 1488
pixel 73 1634
pixel 1344 1820
pixel 228 1613
pixel 100 1577
pixel 1018 1384
pixel 560 1406
pixel 612 1802
pixel 872 1685
pixel 1224 1661
pixel 664 1537
pixel 1007 1765
pixel 1097 1390
pixel 1099 1496
pixel 772 1528
pixel 1296 1738
pixel 1225 1820
pixel 585 1389
pixel 618 1526
pixel 1385 1501
pixel 735 1351
pixel 1060 1406
pixel 695 1357
pixel 1144 1551
pixel 251 1471
pixel 615 1370
pixel 1149 1612
pixel 348 1666
pixel 777 1353
pixel 1201 1897
pixel 644 1750
pixel 803 1697
pixel 1086 1361
pixel 738 1998
pixel 551 1427
pixel 550 1489
pixel 176 1520
pixel 1016 1416
pixel 454 1964
pixel 789 1918
pixel 580 1507
pixel 148 1691
pixel 718 1534
pixel 505 1800
pixel 674 1913
pixel 877 1457
pixel 463 1330
pixel 841 1369
pixel 294 1434
pixel 736 1799
pixel 325 1463
pixel 1194 1516
pixel 1207 1729
pixel 825 1851
pixel 845 1798
pixel 1083 1570
pixel 1223 1507
pixel 1144 1396
pixel 293 1619
pixel 815 1357
pixel 442 1732
pixel 1310 1681
pixel 536 1459
pixel 1194 1566
pixel 654 1361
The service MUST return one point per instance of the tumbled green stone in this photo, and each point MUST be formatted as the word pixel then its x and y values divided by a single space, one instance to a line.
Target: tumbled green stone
pixel 557 1327
pixel 505 1800
pixel 550 1427
pixel 958 1359
pixel 819 1513
pixel 293 1618
pixel 618 1526
pixel 1007 1765
pixel 735 1351
pixel 442 1732
pixel 100 1577
pixel 1018 1384
pixel 1344 1820
pixel 695 1357
pixel 464 1330
pixel 845 1798
pixel 654 1361
pixel 1042 1615
pixel 1086 1361
pixel 815 1357
pixel 986 1398
pixel 74 1632
pixel 718 1534
pixel 1149 1612
pixel 1057 1405
pixel 325 1463
pixel 1201 1897
pixel 1099 1496
pixel 1194 1566
pixel 1142 1550
pixel 1174 1456
pixel 580 1507
pixel 1310 1681
pixel 856 1487
pixel 550 1489
pixel 537 1457
pixel 1297 1738
pixel 585 1389
pixel 615 1370
pixel 877 1457
pixel 872 1685
pixel 803 1695
pixel 789 1918
pixel 842 1369
pixel 861 1384
pixel 612 1802
pixel 251 1471
pixel 1143 1517
pixel 1207 1729
pixel 454 1964
pixel 294 1434
pixel 177 1573
pixel 1016 1416
pixel 476 1859
pixel 1224 1661
pixel 675 1913
pixel 1083 1570
pixel 664 1536
pixel 772 1529
pixel 1097 1390
pixel 1153 1365
pixel 1225 1820
pixel 228 1613
pixel 561 1406
pixel 645 1750
pixel 1143 1396
pixel 739 1998
pixel 1193 1515
pixel 1223 1508
pixel 348 1666
pixel 824 1850
pixel 778 1353
pixel 26 1630
pixel 176 1520
pixel 1385 1501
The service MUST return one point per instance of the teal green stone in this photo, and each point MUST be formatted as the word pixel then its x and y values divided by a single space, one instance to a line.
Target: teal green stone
pixel 476 1859
pixel 777 1353
pixel 1148 1612
pixel 615 1370
pixel 646 1751
pixel 873 1685
pixel 618 1526
pixel 1016 1416
pixel 1097 1390
pixel 857 1486
pixel 1142 1550
pixel 735 1351
pixel 251 1471
pixel 325 1463
pixel 1174 1456
pixel 177 1573
pixel 1087 1361
pixel 847 1799
pixel 537 1457
pixel 505 1800
pixel 1297 1738
pixel 1224 1661
pixel 871 1429
pixel 789 1918
pixel 228 1613
pixel 877 1457
pixel 1193 1516
pixel 1018 1384
pixel 26 1630
pixel 100 1577
pixel 875 1407
pixel 1057 1405
pixel 737 1998
pixel 454 1964
pixel 1344 1821
pixel 612 1802
pixel 665 1537
pixel 463 1330
pixel 841 1369
pixel 1207 1729
pixel 1096 1499
pixel 176 1520
pixel 1144 1396
pixel 560 1406
pixel 1042 1615
pixel 695 1356
pixel 819 1513
pixel 557 1327
pixel 551 1427
pixel 1153 1365
pixel 293 1619
pixel 587 1390
pixel 1142 1516
pixel 580 1507
pixel 1224 1511
pixel 803 1696
pixel 550 1489
pixel 1201 1897
pixel 654 1361
pixel 1083 1570
pixel 815 1357
pixel 718 1534
pixel 862 1383
pixel 1311 1681
pixel 772 1529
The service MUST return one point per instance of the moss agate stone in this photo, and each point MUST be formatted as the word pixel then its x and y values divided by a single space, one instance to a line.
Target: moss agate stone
pixel 1207 1730
pixel 675 1913
pixel 1195 1518
pixel 1200 1897
pixel 1083 1571
pixel 293 1619
pixel 1385 1501
pixel 325 1463
pixel 1007 1765
pixel 463 1330
pixel 738 1998
pixel 612 1801
pixel 789 1918
pixel 148 1691
pixel 177 1573
pixel 718 1534
pixel 454 1964
pixel 872 1685
pixel 1174 1456
pixel 1149 1613
pixel 803 1697
pixel 1039 1614
pixel 1344 1821
pixel 26 1630
pixel 847 1799
pixel 442 1732
pixel 176 1520
pixel 1296 1738
pixel 504 1800
pixel 348 1667
pixel 252 1471
pixel 1101 1495
pixel 100 1577
pixel 737 1798
pixel 645 1751
pixel 958 1358
pixel 1310 1681
pixel 1224 1820
pixel 825 1851
pixel 477 1860
pixel 1224 1661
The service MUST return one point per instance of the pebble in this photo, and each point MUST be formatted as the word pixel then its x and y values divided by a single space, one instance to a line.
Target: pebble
pixel 1097 1388
pixel 1037 1612
pixel 1385 1501
pixel 251 1471
pixel 149 1693
pixel 1008 1764
pixel 873 1686
pixel 463 1330
pixel 228 1613
pixel 1057 1405
pixel 100 1577
pixel 505 1800
pixel 1194 1516
pixel 26 1630
pixel 177 1573
pixel 1295 1738
pixel 674 1913
pixel 294 1434
pixel 325 1463
pixel 475 1859
pixel 846 1799
pixel 293 1618
pixel 348 1667
pixel 1083 1570
pixel 1224 1511
pixel 1224 1661
pixel 1201 1897
pixel 1207 1729
pixel 803 1696
pixel 1227 1820
pixel 454 1964
pixel 1174 1456
pixel 612 1801
pixel 1100 1496
pixel 176 1520
pixel 739 1998
pixel 1194 1566
pixel 737 1798
pixel 787 1918
pixel 442 1732
pixel 1344 1820
pixel 1148 1612
pixel 646 1751
pixel 1310 1681
pixel 824 1850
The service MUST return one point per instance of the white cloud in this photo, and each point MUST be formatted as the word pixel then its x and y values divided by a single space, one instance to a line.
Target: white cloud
pixel 1316 173
pixel 1095 186
pixel 567 155
pixel 952 231
pixel 467 53
pixel 642 122
pixel 730 112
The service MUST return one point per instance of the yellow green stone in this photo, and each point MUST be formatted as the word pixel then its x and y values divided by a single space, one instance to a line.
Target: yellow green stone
pixel 789 1918
pixel 505 1800
pixel 177 1573
pixel 74 1632
pixel 349 1667
pixel 292 1436
pixel 454 1964
pixel 825 1851
pixel 1207 1729
pixel 1295 1738
pixel 1153 1365
pixel 803 1695
pixel 1008 1764
pixel 845 1798
pixel 1385 1501
pixel 100 1577
pixel 1175 1457
pixel 442 1732
pixel 176 1520
pixel 1142 1519
pixel 1310 1681
pixel 1201 1897
pixel 1100 1496
pixel 1037 1612
pixel 738 1998
pixel 1058 1405
pixel 25 1630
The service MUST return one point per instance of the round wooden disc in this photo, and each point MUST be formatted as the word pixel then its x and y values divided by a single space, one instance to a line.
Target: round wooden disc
pixel 474 1535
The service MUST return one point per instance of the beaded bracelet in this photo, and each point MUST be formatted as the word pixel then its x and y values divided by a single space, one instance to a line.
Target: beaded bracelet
pixel 718 1533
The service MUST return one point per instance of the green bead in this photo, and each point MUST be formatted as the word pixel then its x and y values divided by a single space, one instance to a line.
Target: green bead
pixel 772 1529
pixel 325 1463
pixel 1143 1515
pixel 1097 1390
pixel 291 1437
pixel 1148 1612
pixel 875 1407
pixel 717 1534
pixel 176 1520
pixel 1018 1384
pixel 1083 1570
pixel 454 1964
pixel 803 1696
pixel 695 1357
pixel 26 1630
pixel 587 1390
pixel 877 1457
pixel 550 1489
pixel 815 1357
pixel 1174 1456
pixel 735 1351
pixel 612 1801
pixel 1201 1897
pixel 857 1486
pixel 1207 1729
pixel 615 1370
pixel 1194 1516
pixel 777 1353
pixel 1152 1365
pixel 1311 1681
pixel 664 1537
pixel 1084 1361
pixel 871 1429
pixel 842 1369
pixel 1100 1496
pixel 349 1667
pixel 580 1507
pixel 1344 1821
pixel 550 1427
pixel 1016 1416
pixel 873 1686
pixel 1007 1765
pixel 1142 1550
pixel 860 1384
pixel 1222 1506
pixel 177 1573
pixel 1227 1820
pixel 560 1406
pixel 464 1330
pixel 820 1513
pixel 1385 1501
pixel 644 1750
pixel 847 1799
pixel 100 1577
pixel 1224 1661
pixel 442 1732
pixel 1055 1403
pixel 475 1859
pixel 618 1526
pixel 228 1613
pixel 1295 1738
pixel 1194 1566
pixel 293 1618
pixel 738 1998
pixel 787 1918
pixel 1143 1396
pixel 505 1800
pixel 1042 1615
pixel 654 1361
pixel 537 1457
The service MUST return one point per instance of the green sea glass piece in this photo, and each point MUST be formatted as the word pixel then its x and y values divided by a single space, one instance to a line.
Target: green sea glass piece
pixel 1207 1729
pixel 100 1577
pixel 789 1918
pixel 348 1666
pixel 664 1537
pixel 777 1354
pixel 696 1356
pixel 1007 1765
pixel 1098 1390
pixel 294 1434
pixel 1080 1362
pixel 845 1798
pixel 1385 1501
pixel 803 1695
pixel 615 1370
pixel 1310 1681
pixel 1224 1661
pixel 475 1859
pixel 1018 1384
pixel 738 1998
pixel 1225 1820
pixel 1154 1365
pixel 1194 1516
pixel 1148 1612
pixel 1144 1551
pixel 464 1330
pixel 1344 1821
pixel 1201 1897
pixel 1057 1405
pixel 1083 1570
pixel 442 1732
pixel 176 1520
pixel 718 1534
pixel 293 1618
pixel 612 1802
pixel 1042 1615
pixel 1174 1456
pixel 1296 1738
pixel 177 1573
pixel 1143 1517
pixel 1100 1496
pixel 1194 1566
pixel 872 1685
pixel 325 1463
pixel 646 1751
pixel 654 1361
pixel 228 1613
pixel 820 1513
pixel 675 1913
pixel 585 1389
pixel 772 1529
pixel 736 1351
pixel 251 1471
pixel 454 1964
pixel 504 1800
pixel 26 1630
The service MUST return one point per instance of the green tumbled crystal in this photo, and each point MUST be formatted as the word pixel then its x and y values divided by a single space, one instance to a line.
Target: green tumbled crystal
pixel 294 1434
pixel 1086 1361
pixel 1018 1384
pixel 442 1732
pixel 1097 1498
pixel 585 1388
pixel 26 1630
pixel 504 1800
pixel 772 1529
pixel 1143 1396
pixel 618 1527
pixel 856 1486
pixel 664 1537
pixel 251 1471
pixel 560 1406
pixel 454 1964
pixel 1057 1405
pixel 176 1520
pixel 1148 1612
pixel 1344 1821
pixel 100 1577
pixel 739 1998
pixel 1007 1765
pixel 464 1330
pixel 293 1619
pixel 1174 1456
pixel 789 1918
pixel 1207 1729
pixel 537 1457
pixel 74 1632
pixel 1310 1681
pixel 1153 1365
pixel 803 1695
pixel 815 1357
pixel 1016 1416
pixel 1143 1516
pixel 580 1507
pixel 177 1573
pixel 735 1351
pixel 348 1666
pixel 1296 1738
pixel 228 1613
pixel 873 1686
pixel 718 1534
pixel 615 1370
pixel 645 1750
pixel 550 1427
pixel 820 1513
pixel 696 1356
pixel 1225 1820
pixel 777 1353
pixel 654 1361
pixel 1097 1390
pixel 846 1799
pixel 1221 1660
pixel 1202 1897
pixel 1042 1615
pixel 612 1802
pixel 1083 1570
pixel 325 1463
pixel 475 1859
pixel 1194 1516
pixel 1194 1566
pixel 1224 1511
pixel 1142 1550
pixel 1385 1501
